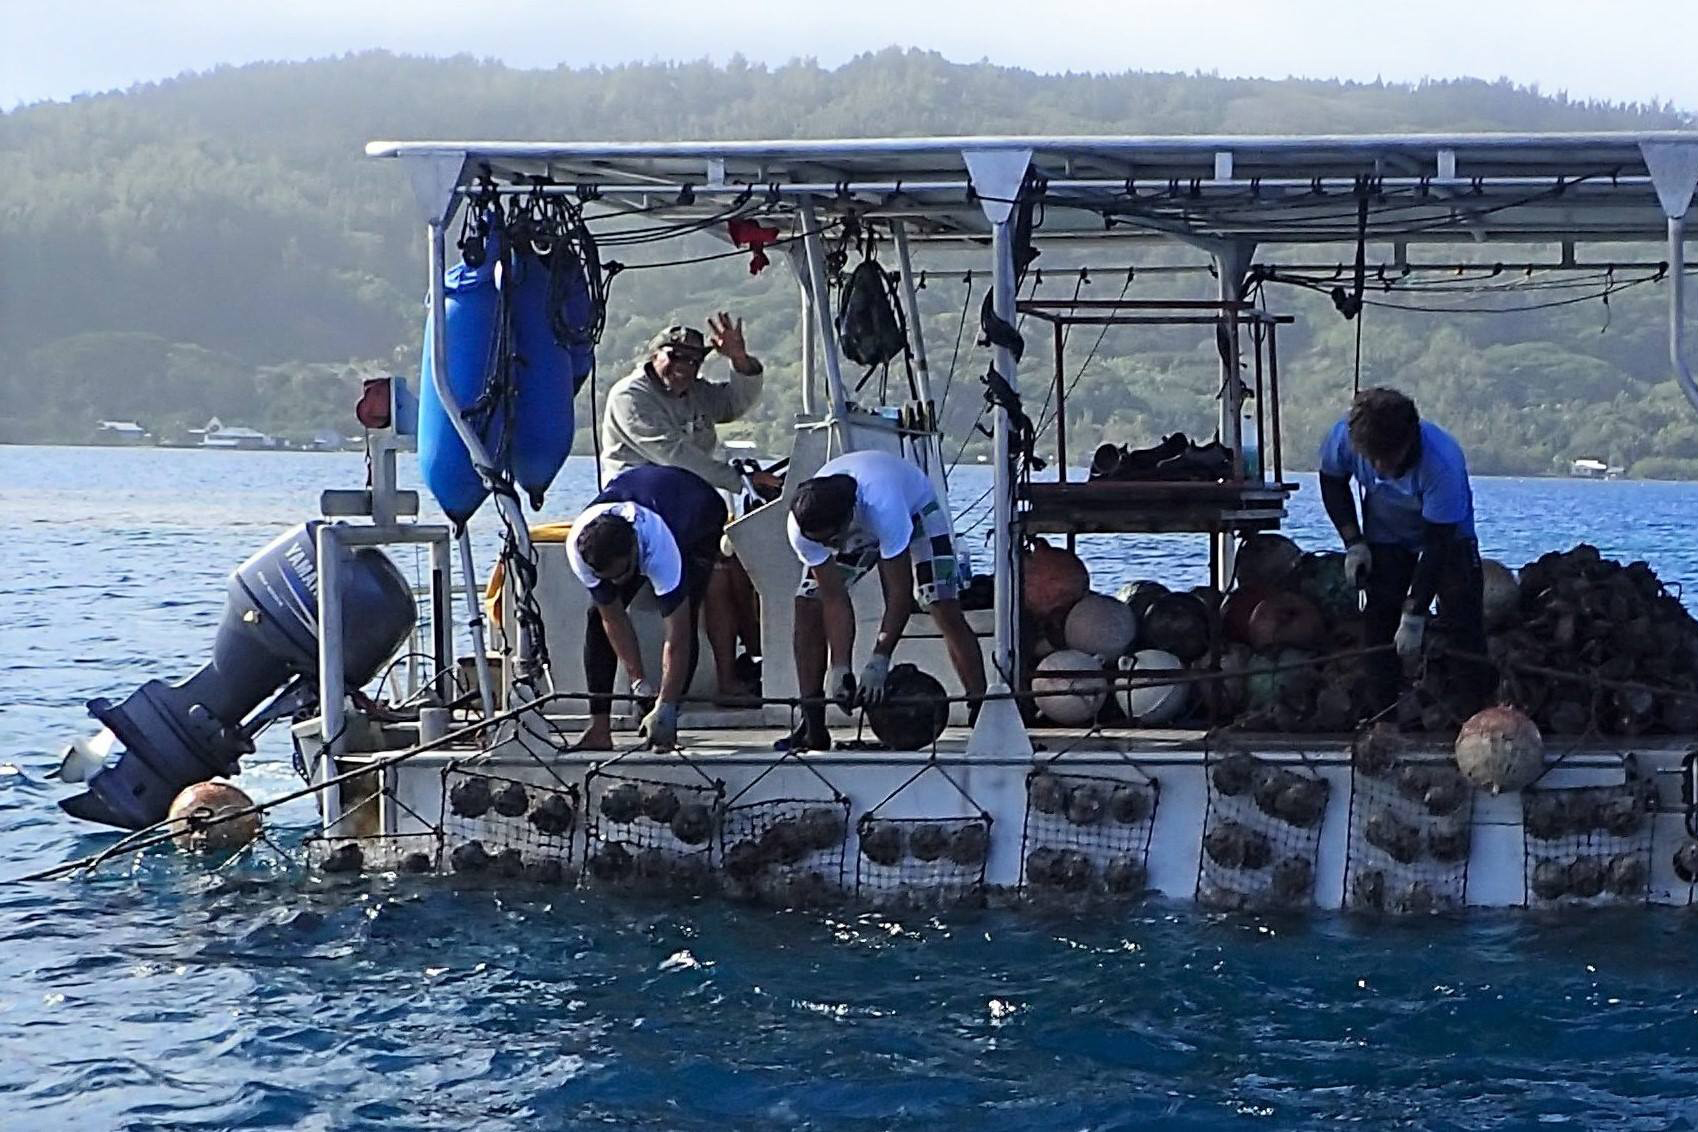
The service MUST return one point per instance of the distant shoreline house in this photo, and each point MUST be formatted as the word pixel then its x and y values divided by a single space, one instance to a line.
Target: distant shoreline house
pixel 217 434
pixel 120 432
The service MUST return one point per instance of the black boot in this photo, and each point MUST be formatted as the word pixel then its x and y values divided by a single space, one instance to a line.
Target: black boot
pixel 809 735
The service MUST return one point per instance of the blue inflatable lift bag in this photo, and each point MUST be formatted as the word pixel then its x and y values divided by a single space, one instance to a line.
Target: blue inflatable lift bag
pixel 547 373
pixel 473 324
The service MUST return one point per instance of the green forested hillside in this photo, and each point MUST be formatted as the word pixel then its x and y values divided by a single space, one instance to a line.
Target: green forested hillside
pixel 218 245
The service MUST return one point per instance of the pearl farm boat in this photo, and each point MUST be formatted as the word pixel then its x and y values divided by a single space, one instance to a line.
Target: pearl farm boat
pixel 1161 785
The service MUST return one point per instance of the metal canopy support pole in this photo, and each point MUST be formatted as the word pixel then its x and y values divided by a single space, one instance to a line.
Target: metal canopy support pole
pixel 911 300
pixel 1232 260
pixel 1674 173
pixel 936 469
pixel 997 178
pixel 332 671
pixel 813 244
pixel 810 354
pixel 442 620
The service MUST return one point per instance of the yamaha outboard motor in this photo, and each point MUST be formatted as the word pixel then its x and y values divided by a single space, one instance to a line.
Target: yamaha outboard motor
pixel 168 736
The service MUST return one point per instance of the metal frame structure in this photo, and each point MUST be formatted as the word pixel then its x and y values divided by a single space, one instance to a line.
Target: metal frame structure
pixel 1227 196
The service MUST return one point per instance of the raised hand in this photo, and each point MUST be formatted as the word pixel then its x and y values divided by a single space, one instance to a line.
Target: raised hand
pixel 726 334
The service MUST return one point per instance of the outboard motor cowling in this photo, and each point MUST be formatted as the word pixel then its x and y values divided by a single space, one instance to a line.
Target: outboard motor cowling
pixel 165 737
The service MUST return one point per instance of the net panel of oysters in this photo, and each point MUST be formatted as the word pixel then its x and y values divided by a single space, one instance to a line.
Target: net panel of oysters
pixel 1588 845
pixel 507 827
pixel 1261 834
pixel 1086 837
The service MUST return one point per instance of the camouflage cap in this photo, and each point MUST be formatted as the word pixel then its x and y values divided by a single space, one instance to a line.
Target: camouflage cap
pixel 679 338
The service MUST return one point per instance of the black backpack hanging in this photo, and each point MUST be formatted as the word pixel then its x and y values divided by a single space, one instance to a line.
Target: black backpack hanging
pixel 869 331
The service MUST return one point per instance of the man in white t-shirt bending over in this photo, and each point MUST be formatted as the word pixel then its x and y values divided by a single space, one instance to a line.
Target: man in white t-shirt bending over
pixel 862 509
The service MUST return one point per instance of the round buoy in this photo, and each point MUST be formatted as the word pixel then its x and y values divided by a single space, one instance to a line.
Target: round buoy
pixel 1265 560
pixel 195 818
pixel 1069 700
pixel 1286 620
pixel 1138 594
pixel 1321 578
pixel 1052 579
pixel 1500 749
pixel 1153 703
pixel 1179 623
pixel 1500 592
pixel 1101 626
pixel 1236 609
pixel 913 713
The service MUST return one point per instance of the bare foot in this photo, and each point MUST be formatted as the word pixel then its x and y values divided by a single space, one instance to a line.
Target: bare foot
pixel 594 738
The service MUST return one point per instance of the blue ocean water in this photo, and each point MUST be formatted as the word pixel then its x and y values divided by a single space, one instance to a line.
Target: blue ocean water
pixel 165 993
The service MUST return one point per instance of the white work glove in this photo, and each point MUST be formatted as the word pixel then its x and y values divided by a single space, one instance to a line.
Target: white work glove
pixel 1411 627
pixel 872 680
pixel 641 689
pixel 1358 562
pixel 840 685
pixel 660 727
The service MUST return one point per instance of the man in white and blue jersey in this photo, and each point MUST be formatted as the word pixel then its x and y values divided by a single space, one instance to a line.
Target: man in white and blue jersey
pixel 651 526
pixel 1415 539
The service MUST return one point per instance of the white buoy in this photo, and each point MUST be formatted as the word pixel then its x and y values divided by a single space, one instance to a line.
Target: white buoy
pixel 1148 702
pixel 1071 701
pixel 1101 626
pixel 1500 749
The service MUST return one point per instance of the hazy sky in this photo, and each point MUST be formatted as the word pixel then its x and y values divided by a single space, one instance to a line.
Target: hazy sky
pixel 1612 49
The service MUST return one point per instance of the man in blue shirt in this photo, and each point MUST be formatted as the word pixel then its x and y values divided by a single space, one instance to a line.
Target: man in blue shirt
pixel 650 526
pixel 1415 539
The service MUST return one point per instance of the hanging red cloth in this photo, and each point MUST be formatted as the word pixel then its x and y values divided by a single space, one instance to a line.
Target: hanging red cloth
pixel 753 235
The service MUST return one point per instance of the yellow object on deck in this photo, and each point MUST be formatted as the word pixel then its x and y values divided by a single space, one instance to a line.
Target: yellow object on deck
pixel 540 533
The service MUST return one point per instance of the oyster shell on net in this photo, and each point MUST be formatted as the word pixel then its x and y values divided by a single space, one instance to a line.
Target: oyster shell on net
pixel 1040 866
pixel 345 858
pixel 1128 804
pixel 510 862
pixel 1418 899
pixel 470 797
pixel 1301 801
pixel 1586 876
pixel 782 844
pixel 1234 774
pixel 969 844
pixel 1550 879
pixel 611 862
pixel 416 862
pixel 1686 861
pixel 1375 751
pixel 1072 870
pixel 470 857
pixel 1627 875
pixel 1448 842
pixel 1546 814
pixel 1621 814
pixel 511 801
pixel 1125 875
pixel 622 804
pixel 882 843
pixel 928 841
pixel 1396 838
pixel 1234 846
pixel 554 815
pixel 1291 878
pixel 1368 890
pixel 1085 804
pixel 660 804
pixel 821 827
pixel 693 823
pixel 1048 793
pixel 744 859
